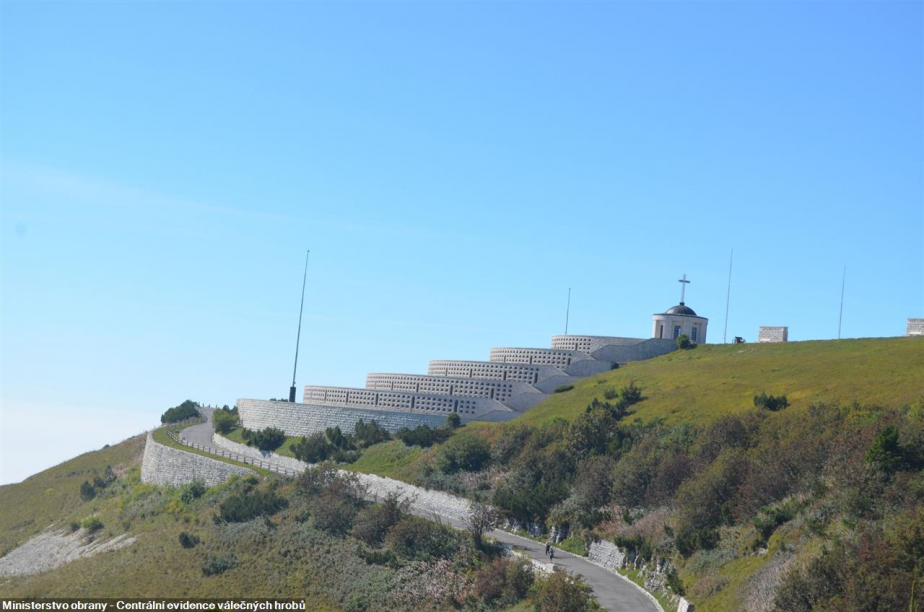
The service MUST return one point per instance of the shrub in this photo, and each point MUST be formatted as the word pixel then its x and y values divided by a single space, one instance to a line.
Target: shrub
pixel 563 388
pixel 504 582
pixel 422 435
pixel 244 507
pixel 561 592
pixel 770 402
pixel 419 540
pixel 215 565
pixel 74 525
pixel 463 452
pixel 187 410
pixel 511 442
pixel 92 524
pixel 373 522
pixel 193 490
pixel 313 449
pixel 87 492
pixel 333 513
pixel 453 420
pixel 683 342
pixel 367 434
pixel 610 394
pixel 225 420
pixel 884 451
pixel 187 540
pixel 268 439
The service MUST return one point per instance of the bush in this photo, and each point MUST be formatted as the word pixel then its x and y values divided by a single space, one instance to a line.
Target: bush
pixel 87 492
pixel 770 402
pixel 187 540
pixel 561 592
pixel 215 565
pixel 683 342
pixel 92 524
pixel 268 439
pixel 419 540
pixel 244 507
pixel 453 420
pixel 463 452
pixel 333 513
pixel 563 388
pixel 225 420
pixel 313 449
pixel 193 490
pixel 187 410
pixel 884 451
pixel 74 525
pixel 504 582
pixel 367 434
pixel 373 522
pixel 422 435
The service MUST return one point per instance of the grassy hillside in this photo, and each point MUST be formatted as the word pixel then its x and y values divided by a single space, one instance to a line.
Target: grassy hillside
pixel 53 496
pixel 713 380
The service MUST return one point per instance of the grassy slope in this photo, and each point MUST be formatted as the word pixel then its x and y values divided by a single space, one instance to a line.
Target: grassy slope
pixel 712 380
pixel 53 496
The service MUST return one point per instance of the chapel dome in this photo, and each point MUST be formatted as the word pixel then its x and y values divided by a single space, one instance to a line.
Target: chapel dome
pixel 681 309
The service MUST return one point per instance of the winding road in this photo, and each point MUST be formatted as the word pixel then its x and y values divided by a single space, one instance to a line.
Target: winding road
pixel 613 592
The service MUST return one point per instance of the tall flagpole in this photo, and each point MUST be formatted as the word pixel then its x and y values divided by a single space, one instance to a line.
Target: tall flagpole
pixel 728 297
pixel 840 317
pixel 568 311
pixel 299 336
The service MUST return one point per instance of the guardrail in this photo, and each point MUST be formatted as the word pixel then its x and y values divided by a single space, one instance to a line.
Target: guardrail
pixel 273 467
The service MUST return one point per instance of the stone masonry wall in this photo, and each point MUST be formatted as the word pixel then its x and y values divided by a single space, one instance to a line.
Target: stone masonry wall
pixel 606 554
pixel 171 467
pixel 304 420
pixel 255 453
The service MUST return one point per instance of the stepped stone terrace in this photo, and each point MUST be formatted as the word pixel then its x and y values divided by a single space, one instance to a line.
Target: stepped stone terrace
pixel 511 382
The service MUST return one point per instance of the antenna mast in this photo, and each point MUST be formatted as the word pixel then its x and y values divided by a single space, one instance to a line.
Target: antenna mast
pixel 568 311
pixel 840 317
pixel 299 336
pixel 728 297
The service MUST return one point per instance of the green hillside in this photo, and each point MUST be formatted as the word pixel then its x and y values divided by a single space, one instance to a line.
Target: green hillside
pixel 712 380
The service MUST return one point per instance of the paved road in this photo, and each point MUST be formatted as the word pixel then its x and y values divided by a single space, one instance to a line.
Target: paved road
pixel 612 592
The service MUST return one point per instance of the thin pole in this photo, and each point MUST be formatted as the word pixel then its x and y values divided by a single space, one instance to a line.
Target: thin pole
pixel 840 317
pixel 568 311
pixel 728 297
pixel 298 337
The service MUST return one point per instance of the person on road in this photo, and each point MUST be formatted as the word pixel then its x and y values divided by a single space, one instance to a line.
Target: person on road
pixel 551 554
pixel 547 547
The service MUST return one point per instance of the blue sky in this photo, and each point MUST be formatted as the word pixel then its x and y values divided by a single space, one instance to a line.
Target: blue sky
pixel 453 168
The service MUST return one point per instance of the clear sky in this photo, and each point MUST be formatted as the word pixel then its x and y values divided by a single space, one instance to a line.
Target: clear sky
pixel 453 168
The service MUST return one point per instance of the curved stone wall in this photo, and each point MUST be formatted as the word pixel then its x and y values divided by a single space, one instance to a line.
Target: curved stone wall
pixel 255 453
pixel 499 390
pixel 589 344
pixel 552 357
pixel 172 467
pixel 304 420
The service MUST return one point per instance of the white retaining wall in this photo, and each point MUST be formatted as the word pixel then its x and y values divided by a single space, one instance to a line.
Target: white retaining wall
pixel 422 500
pixel 171 467
pixel 304 420
pixel 606 554
pixel 255 453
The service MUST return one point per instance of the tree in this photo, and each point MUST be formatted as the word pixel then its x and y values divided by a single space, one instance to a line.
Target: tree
pixel 87 492
pixel 453 420
pixel 187 410
pixel 225 420
pixel 463 452
pixel 482 518
pixel 313 449
pixel 563 593
pixel 885 451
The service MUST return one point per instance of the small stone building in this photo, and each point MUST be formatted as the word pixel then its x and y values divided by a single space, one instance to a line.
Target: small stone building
pixel 773 333
pixel 680 319
pixel 915 327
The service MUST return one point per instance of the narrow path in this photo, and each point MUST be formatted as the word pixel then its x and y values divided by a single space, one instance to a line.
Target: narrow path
pixel 613 592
